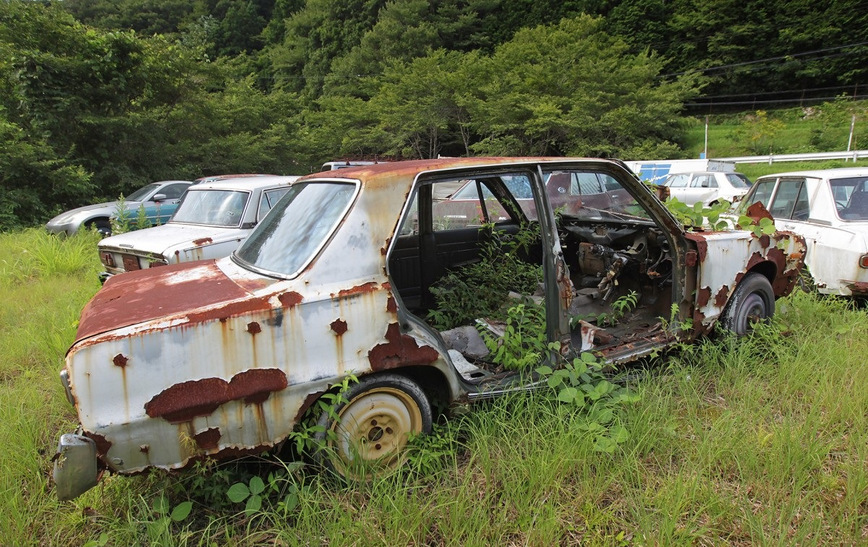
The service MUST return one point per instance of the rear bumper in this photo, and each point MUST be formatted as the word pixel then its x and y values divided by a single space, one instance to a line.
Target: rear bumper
pixel 75 466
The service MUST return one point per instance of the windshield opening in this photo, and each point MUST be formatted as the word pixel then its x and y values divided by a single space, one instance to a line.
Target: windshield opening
pixel 143 192
pixel 212 207
pixel 297 228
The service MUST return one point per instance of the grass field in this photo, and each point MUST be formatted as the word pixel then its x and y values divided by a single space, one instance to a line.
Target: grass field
pixel 757 441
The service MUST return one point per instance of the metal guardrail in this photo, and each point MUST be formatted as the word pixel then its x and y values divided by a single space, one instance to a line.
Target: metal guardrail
pixel 813 156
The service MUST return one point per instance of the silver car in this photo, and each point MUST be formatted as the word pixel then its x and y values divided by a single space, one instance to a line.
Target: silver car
pixel 159 199
pixel 211 221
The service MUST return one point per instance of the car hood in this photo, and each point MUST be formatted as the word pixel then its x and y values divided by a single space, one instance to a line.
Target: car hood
pixel 130 298
pixel 171 236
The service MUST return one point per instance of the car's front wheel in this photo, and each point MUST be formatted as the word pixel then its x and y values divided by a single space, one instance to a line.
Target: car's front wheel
pixel 368 431
pixel 752 301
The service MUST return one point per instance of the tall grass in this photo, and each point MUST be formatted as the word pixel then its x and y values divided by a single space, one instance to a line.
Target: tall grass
pixel 761 440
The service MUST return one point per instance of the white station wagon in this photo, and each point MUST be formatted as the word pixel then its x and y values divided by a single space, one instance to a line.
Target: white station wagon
pixel 829 208
pixel 218 358
pixel 211 221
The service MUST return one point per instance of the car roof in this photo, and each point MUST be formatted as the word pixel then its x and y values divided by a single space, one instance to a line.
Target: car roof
pixel 823 173
pixel 246 183
pixel 215 178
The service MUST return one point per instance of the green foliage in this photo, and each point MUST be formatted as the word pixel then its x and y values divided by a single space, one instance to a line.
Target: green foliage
pixel 255 492
pixel 160 528
pixel 698 215
pixel 765 226
pixel 307 433
pixel 759 131
pixel 524 341
pixel 122 220
pixel 582 386
pixel 480 289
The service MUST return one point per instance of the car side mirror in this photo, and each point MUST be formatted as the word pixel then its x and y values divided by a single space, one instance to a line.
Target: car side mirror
pixel 159 197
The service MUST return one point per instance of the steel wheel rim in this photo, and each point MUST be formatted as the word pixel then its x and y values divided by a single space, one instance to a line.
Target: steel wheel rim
pixel 374 429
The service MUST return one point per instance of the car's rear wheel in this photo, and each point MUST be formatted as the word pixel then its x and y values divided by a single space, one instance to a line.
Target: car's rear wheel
pixel 368 432
pixel 752 301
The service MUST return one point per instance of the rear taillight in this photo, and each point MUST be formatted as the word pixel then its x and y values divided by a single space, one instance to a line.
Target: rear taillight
pixel 863 261
pixel 108 260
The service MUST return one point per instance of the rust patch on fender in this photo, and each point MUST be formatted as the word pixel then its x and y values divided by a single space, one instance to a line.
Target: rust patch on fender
pixel 290 299
pixel 188 400
pixel 370 286
pixel 102 444
pixel 701 245
pixel 231 309
pixel 757 211
pixel 120 360
pixel 202 241
pixel 254 328
pixel 703 295
pixel 764 241
pixel 721 296
pixel 400 350
pixel 859 288
pixel 391 305
pixel 208 439
pixel 339 326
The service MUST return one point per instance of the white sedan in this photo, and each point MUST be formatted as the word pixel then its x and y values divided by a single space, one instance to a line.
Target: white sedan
pixel 211 221
pixel 829 208
pixel 707 187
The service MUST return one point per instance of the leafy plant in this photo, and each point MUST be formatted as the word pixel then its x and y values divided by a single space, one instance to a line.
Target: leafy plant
pixel 622 305
pixel 582 386
pixel 121 220
pixel 304 436
pixel 765 226
pixel 142 220
pixel 523 343
pixel 698 215
pixel 480 289
pixel 159 530
pixel 279 483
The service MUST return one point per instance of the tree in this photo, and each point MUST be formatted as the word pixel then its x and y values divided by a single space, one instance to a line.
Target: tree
pixel 571 89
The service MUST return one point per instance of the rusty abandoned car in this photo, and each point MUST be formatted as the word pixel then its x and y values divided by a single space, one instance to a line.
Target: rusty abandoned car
pixel 224 357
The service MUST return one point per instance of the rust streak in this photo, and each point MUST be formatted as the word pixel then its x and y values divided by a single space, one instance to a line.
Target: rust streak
pixel 370 286
pixel 399 350
pixel 290 299
pixel 339 326
pixel 757 211
pixel 202 241
pixel 102 444
pixel 721 297
pixel 188 400
pixel 208 439
pixel 703 295
pixel 701 244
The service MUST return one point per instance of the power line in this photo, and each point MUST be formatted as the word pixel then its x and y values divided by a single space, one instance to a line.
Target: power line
pixel 766 60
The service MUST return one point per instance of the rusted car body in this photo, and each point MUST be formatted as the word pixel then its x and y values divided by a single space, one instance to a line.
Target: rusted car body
pixel 220 358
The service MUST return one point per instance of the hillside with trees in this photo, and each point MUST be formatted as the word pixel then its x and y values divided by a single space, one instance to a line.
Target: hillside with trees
pixel 102 96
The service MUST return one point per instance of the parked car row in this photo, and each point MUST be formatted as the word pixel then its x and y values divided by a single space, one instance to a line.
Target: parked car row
pixel 211 221
pixel 707 187
pixel 216 358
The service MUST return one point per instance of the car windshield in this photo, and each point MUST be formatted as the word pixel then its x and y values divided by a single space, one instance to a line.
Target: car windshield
pixel 738 180
pixel 212 207
pixel 143 192
pixel 297 228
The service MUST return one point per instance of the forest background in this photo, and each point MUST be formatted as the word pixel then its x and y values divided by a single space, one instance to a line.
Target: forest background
pixel 98 97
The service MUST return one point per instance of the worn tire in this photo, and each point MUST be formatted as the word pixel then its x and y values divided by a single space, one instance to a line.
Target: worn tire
pixel 752 301
pixel 374 423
